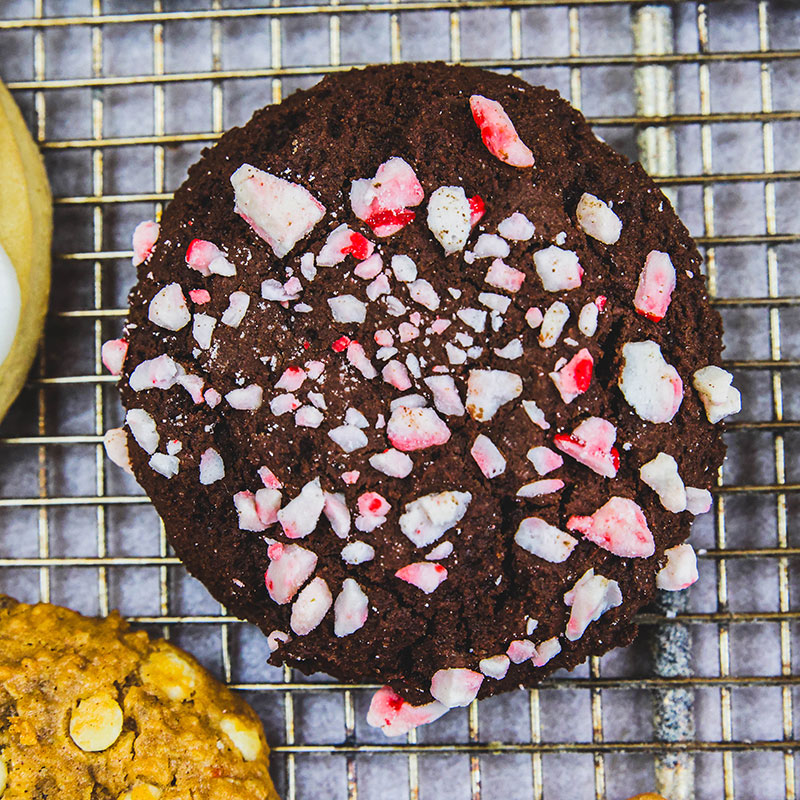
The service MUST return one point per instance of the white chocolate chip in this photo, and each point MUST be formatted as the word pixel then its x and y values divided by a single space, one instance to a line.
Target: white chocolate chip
pixel 144 791
pixel 244 736
pixel 171 673
pixel 96 723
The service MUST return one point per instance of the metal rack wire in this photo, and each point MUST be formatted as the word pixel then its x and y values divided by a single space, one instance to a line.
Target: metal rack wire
pixel 54 478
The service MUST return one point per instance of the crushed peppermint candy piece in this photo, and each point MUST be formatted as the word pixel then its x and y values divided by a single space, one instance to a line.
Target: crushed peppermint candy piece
pixel 194 385
pixel 290 567
pixel 587 319
pixel 424 575
pixel 283 404
pixel 411 429
pixel 719 397
pixel 489 459
pixel 378 287
pixel 680 571
pixel 427 518
pixel 489 245
pixel 238 303
pixel 496 302
pixel 113 354
pixel 371 504
pixel 337 513
pixel 143 428
pixel 145 236
pixel 575 377
pixel 393 463
pixel 404 269
pixel 308 417
pixel 559 269
pixel 456 686
pixel 698 501
pixel 349 437
pixel 449 218
pixel 115 441
pixel 343 242
pixel 475 318
pixel 517 228
pixel 311 606
pixel 165 465
pixel 212 397
pixel 354 417
pixel 269 478
pixel 442 550
pixel 357 553
pixel 661 475
pixel 521 650
pixel 488 390
pixel 291 379
pixel 279 211
pixel 360 360
pixel 407 332
pixel 350 610
pixel 512 351
pixel 553 323
pixel 422 292
pixel 651 386
pixel 656 285
pixel 369 268
pixel 212 467
pixel 384 202
pixel 592 444
pixel 168 308
pixel 200 254
pixel 203 329
pixel 544 459
pixel 396 374
pixel 256 512
pixel 299 516
pixel 589 599
pixel 501 276
pixel 534 317
pixel 383 338
pixel 498 132
pixel 248 398
pixel 347 308
pixel 396 717
pixel 544 540
pixel 545 651
pixel 596 219
pixel 275 639
pixel 199 296
pixel 618 526
pixel 539 488
pixel 495 667
pixel 445 395
pixel 535 414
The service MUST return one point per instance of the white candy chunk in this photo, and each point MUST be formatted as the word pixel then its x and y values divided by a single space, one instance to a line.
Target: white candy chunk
pixel 359 359
pixel 490 246
pixel 96 723
pixel 281 293
pixel 517 228
pixel 539 488
pixel 202 329
pixel 501 276
pixel 422 292
pixel 456 686
pixel 291 379
pixel 445 395
pixel 408 401
pixel 257 511
pixel 248 398
pixel 512 351
pixel 655 287
pixel 349 438
pixel 680 571
pixel 719 397
pixel 396 374
pixel 455 355
pixel 652 387
pixel 618 526
pixel 221 266
pixel 427 518
pixel 489 459
pixel 276 639
pixel 283 403
pixel 698 501
pixel 212 467
pixel 145 235
pixel 535 414
pixel 442 550
pixel 559 269
pixel 449 218
pixel 165 465
pixel 534 317
pixel 369 268
pixel 592 444
pixel 347 308
pixel 661 475
pixel 350 609
pixel 475 318
pixel 404 269
pixel 498 132
pixel 143 428
pixel 307 268
pixel 589 599
pixel 395 717
pixel 423 575
pixel 545 651
pixel 393 463
pixel 115 441
pixel 354 417
pixel 555 318
pixel 544 459
pixel 497 302
pixel 238 303
pixel 113 354
pixel 495 667
pixel 299 516
pixel 378 287
pixel 168 308
pixel 335 509
pixel 597 220
pixel 488 389
pixel 544 540
pixel 357 553
pixel 411 429
pixel 311 606
pixel 279 211
pixel 290 567
pixel 587 319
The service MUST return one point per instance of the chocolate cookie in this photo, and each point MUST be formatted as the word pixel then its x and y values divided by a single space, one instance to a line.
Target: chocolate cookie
pixel 89 708
pixel 421 377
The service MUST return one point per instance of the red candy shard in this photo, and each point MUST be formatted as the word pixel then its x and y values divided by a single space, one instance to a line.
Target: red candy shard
pixel 592 443
pixel 424 575
pixel 200 254
pixel 498 132
pixel 656 284
pixel 341 344
pixel 395 717
pixel 144 239
pixel 113 353
pixel 269 478
pixel 290 567
pixel 477 208
pixel 199 296
pixel 619 526
pixel 411 429
pixel 574 377
pixel 390 219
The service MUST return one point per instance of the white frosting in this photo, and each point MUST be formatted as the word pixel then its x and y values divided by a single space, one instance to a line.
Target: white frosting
pixel 10 304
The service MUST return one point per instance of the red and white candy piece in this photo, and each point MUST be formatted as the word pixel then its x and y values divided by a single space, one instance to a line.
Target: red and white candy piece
pixel 155 373
pixel 144 238
pixel 498 132
pixel 412 429
pixel 350 610
pixel 544 540
pixel 501 276
pixel 283 404
pixel 552 323
pixel 575 377
pixel 199 296
pixel 539 488
pixel 395 717
pixel 343 242
pixel 427 518
pixel 517 228
pixel 698 501
pixel 212 467
pixel 279 211
pixel 396 374
pixel 656 284
pixel 495 667
pixel 680 571
pixel 393 463
pixel 719 397
pixel 489 459
pixel 292 378
pixel 115 441
pixel 168 308
pixel 257 511
pixel 652 387
pixel 589 599
pixel 597 220
pixel 143 428
pixel 488 390
pixel 113 354
pixel 384 202
pixel 369 268
pixel 199 255
pixel 661 475
pixel 544 459
pixel 618 526
pixel 445 395
pixel 372 504
pixel 424 575
pixel 521 650
pixel 545 651
pixel 592 444
pixel 311 606
pixel 290 567
pixel 559 269
pixel 300 516
pixel 337 513
pixel 360 360
pixel 248 398
pixel 449 218
pixel 456 687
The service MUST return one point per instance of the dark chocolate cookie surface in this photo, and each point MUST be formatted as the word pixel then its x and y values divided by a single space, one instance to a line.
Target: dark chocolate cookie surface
pixel 418 378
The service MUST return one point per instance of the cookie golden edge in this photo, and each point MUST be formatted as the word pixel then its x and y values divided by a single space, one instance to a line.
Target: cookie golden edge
pixel 30 254
pixel 90 708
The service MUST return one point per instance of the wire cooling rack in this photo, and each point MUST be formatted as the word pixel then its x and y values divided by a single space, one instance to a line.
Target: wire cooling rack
pixel 122 95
